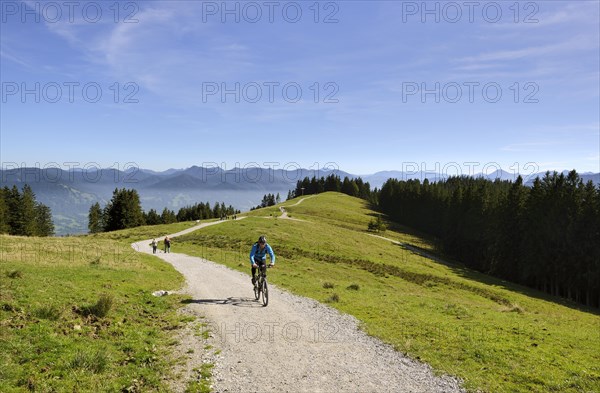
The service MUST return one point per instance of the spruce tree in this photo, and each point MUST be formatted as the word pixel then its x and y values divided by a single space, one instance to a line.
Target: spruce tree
pixel 95 219
pixel 4 223
pixel 27 212
pixel 44 224
pixel 152 218
pixel 123 211
pixel 13 203
pixel 168 216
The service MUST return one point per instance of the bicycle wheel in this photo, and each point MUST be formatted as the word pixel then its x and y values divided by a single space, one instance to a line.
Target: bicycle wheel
pixel 265 293
pixel 257 289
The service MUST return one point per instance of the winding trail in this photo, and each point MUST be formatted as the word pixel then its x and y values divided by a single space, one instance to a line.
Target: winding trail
pixel 284 213
pixel 293 345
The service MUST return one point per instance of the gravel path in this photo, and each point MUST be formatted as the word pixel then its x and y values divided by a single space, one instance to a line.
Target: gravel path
pixel 293 345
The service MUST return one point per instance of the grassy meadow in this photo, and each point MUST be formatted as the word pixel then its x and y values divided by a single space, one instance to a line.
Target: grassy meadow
pixel 497 336
pixel 77 314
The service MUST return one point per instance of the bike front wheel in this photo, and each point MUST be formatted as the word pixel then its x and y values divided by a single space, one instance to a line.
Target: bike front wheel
pixel 256 290
pixel 265 293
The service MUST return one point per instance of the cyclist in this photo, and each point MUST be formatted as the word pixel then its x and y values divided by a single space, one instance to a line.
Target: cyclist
pixel 258 255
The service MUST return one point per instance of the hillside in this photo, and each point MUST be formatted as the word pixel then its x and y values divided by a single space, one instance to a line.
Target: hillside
pixel 77 314
pixel 498 337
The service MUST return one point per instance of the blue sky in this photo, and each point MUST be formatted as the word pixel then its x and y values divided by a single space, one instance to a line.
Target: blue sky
pixel 396 87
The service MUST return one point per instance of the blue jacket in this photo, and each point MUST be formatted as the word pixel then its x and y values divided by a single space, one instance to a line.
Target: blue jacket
pixel 256 252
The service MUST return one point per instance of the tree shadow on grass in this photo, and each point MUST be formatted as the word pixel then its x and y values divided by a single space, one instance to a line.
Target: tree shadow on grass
pixel 495 282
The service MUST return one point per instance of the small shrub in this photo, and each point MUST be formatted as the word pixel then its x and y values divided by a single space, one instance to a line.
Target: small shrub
pixel 328 285
pixel 101 308
pixel 333 298
pixel 353 287
pixel 95 262
pixel 14 274
pixel 95 362
pixel 51 313
pixel 103 305
pixel 376 225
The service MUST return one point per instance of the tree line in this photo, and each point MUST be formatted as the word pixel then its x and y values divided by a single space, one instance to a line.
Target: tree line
pixel 22 215
pixel 546 236
pixel 354 187
pixel 124 210
pixel 268 200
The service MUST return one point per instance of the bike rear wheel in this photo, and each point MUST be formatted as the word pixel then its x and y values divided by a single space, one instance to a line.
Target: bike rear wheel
pixel 265 293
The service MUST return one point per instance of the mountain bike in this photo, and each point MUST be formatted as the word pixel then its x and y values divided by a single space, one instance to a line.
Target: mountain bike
pixel 261 287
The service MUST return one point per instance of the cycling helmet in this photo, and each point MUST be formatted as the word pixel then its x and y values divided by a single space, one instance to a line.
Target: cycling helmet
pixel 262 239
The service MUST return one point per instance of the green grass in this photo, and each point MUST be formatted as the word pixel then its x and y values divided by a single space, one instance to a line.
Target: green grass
pixel 497 336
pixel 77 314
pixel 146 232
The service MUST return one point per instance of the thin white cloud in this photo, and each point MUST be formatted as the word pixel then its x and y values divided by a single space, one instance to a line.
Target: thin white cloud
pixel 578 43
pixel 575 12
pixel 565 38
pixel 167 52
pixel 15 59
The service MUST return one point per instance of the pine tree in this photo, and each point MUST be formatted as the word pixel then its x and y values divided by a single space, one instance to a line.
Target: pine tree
pixel 586 247
pixel 22 215
pixel 168 216
pixel 95 219
pixel 152 218
pixel 333 183
pixel 508 247
pixel 44 224
pixel 13 203
pixel 349 187
pixel 123 211
pixel 27 212
pixel 4 219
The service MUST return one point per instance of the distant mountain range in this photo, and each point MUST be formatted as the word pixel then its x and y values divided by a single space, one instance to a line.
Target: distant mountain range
pixel 70 193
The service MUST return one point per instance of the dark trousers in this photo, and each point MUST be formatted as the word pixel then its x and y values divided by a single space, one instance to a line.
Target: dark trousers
pixel 261 264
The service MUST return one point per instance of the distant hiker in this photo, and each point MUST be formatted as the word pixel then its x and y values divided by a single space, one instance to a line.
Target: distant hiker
pixel 167 244
pixel 258 256
pixel 154 245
